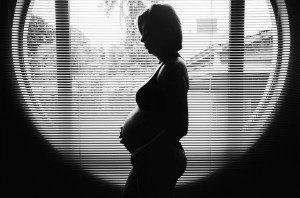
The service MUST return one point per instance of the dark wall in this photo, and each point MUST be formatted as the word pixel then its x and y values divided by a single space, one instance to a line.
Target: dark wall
pixel 30 168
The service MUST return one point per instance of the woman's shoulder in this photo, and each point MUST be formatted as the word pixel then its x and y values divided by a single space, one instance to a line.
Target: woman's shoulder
pixel 174 72
pixel 172 68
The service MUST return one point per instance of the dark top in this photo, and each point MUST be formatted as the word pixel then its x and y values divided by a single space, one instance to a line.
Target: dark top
pixel 149 96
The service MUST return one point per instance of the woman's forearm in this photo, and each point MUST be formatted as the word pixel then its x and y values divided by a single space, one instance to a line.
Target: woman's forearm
pixel 166 137
pixel 150 144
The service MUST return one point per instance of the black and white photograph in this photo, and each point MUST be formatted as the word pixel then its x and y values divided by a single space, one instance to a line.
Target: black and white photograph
pixel 150 98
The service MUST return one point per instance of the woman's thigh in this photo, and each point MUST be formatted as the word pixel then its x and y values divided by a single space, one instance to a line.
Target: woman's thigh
pixel 131 188
pixel 159 176
pixel 155 185
pixel 147 185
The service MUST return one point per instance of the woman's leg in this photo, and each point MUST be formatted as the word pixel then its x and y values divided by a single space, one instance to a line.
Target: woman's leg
pixel 131 188
pixel 157 179
pixel 155 186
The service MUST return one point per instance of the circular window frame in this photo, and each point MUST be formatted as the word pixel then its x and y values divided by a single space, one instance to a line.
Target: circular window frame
pixel 280 73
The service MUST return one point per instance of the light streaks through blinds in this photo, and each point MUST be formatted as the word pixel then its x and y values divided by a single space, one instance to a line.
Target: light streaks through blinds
pixel 78 64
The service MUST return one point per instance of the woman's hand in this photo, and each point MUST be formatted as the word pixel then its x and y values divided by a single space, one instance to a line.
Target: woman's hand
pixel 121 135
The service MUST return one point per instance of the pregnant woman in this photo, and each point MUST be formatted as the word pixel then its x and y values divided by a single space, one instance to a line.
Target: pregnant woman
pixel 152 131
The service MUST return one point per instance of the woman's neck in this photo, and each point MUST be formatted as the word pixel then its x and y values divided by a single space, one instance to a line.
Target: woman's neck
pixel 167 56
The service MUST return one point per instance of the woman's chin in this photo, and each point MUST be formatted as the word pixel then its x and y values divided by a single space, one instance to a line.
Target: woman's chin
pixel 151 52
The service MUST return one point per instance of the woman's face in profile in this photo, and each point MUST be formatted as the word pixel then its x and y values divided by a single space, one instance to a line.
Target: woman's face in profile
pixel 153 39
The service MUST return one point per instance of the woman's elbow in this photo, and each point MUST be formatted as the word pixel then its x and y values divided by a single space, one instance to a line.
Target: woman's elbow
pixel 182 129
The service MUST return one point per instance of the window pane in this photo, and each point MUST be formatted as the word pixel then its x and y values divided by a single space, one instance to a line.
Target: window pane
pixel 108 63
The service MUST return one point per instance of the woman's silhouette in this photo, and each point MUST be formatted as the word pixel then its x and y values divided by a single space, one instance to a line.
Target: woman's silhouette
pixel 152 131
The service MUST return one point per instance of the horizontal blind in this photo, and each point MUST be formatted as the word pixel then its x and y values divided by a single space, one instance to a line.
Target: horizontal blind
pixel 78 64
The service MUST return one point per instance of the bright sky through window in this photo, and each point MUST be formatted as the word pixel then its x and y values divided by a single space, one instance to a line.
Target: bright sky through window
pixel 111 26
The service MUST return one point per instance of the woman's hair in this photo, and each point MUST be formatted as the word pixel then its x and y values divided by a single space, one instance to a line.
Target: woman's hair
pixel 163 17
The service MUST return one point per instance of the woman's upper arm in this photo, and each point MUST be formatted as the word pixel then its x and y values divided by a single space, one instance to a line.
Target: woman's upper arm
pixel 173 74
pixel 174 85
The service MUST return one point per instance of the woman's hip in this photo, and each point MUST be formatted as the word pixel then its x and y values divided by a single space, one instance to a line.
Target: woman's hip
pixel 168 160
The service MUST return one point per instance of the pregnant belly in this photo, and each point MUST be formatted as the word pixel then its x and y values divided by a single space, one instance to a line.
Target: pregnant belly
pixel 140 127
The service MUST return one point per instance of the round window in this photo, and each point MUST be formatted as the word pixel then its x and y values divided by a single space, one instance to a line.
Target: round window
pixel 79 64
